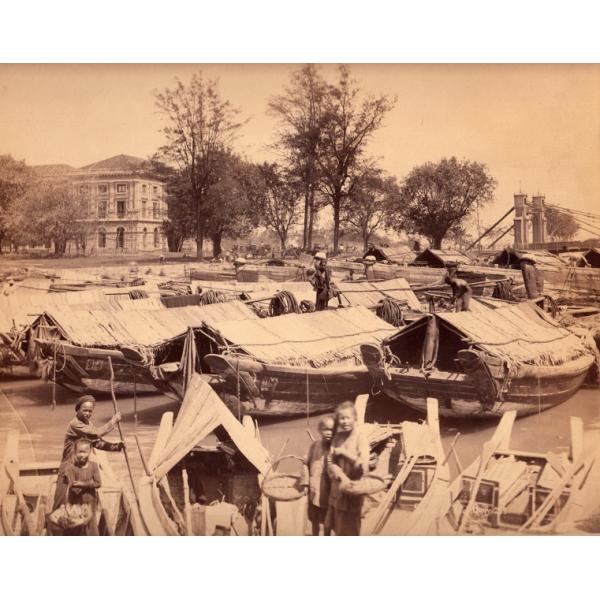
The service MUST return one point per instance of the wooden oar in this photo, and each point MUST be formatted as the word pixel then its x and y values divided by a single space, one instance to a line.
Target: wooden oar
pixel 542 510
pixel 116 409
pixel 486 455
pixel 10 470
pixel 382 511
pixel 187 511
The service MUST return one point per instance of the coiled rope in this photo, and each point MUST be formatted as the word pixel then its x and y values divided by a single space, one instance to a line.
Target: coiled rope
pixel 390 310
pixel 212 297
pixel 283 303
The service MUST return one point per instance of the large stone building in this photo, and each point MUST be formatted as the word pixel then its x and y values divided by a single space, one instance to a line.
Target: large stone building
pixel 126 206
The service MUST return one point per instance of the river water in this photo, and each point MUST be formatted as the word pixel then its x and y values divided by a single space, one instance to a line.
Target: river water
pixel 25 404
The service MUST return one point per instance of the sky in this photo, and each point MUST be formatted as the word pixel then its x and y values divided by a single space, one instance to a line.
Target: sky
pixel 536 127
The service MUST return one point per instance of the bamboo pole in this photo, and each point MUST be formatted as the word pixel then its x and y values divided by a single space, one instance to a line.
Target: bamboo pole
pixel 116 409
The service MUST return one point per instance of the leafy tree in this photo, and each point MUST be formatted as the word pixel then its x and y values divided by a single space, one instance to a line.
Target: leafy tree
pixel 49 211
pixel 348 126
pixel 231 200
pixel 180 223
pixel 368 203
pixel 281 198
pixel 15 178
pixel 201 126
pixel 560 225
pixel 300 112
pixel 436 197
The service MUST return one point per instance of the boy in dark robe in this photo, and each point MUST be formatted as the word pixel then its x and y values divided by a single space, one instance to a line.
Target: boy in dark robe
pixel 314 475
pixel 82 478
pixel 81 427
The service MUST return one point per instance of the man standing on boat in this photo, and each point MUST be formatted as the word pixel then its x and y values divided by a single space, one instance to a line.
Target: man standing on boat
pixel 321 282
pixel 461 291
pixel 81 427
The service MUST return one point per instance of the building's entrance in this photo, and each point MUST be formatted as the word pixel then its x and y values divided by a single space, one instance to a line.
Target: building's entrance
pixel 120 237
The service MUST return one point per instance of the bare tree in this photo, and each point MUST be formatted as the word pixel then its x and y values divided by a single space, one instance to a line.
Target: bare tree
pixel 300 112
pixel 201 125
pixel 348 126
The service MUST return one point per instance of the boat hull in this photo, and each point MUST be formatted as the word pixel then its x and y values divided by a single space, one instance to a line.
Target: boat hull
pixel 86 370
pixel 459 395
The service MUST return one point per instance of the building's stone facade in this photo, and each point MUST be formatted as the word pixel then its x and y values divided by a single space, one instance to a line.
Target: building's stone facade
pixel 126 207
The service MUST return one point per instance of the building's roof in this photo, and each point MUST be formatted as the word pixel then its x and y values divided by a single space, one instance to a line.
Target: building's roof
pixel 105 328
pixel 121 162
pixel 441 258
pixel 60 170
pixel 510 256
pixel 369 293
pixel 519 334
pixel 323 338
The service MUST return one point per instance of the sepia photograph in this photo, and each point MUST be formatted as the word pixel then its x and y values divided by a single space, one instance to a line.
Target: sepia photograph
pixel 309 299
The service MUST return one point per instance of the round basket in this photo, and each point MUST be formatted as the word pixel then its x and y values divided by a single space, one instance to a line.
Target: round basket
pixel 369 484
pixel 284 487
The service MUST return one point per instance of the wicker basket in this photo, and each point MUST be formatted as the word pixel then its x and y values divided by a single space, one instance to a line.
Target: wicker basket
pixel 284 487
pixel 369 484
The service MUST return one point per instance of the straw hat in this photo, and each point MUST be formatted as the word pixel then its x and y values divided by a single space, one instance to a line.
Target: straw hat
pixel 239 261
pixel 321 256
pixel 370 259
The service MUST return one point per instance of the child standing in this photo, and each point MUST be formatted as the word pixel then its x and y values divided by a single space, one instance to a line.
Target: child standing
pixel 82 476
pixel 315 476
pixel 348 459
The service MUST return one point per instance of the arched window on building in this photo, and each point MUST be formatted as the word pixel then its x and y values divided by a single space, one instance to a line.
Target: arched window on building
pixel 144 237
pixel 101 238
pixel 156 238
pixel 120 237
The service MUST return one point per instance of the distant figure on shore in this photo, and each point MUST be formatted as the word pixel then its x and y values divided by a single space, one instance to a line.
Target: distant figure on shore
pixel 532 277
pixel 81 427
pixel 314 476
pixel 461 291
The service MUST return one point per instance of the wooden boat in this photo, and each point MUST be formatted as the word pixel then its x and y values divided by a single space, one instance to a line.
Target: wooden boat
pixel 289 365
pixel 481 363
pixel 411 459
pixel 514 491
pixel 194 487
pixel 27 493
pixel 74 345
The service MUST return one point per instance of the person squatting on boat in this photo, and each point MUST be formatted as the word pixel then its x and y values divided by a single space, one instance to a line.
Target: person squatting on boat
pixel 322 283
pixel 81 427
pixel 315 477
pixel 348 459
pixel 461 291
pixel 81 479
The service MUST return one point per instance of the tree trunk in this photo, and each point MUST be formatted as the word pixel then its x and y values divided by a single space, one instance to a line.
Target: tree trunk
pixel 437 242
pixel 311 220
pixel 199 227
pixel 336 221
pixel 305 242
pixel 282 241
pixel 216 242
